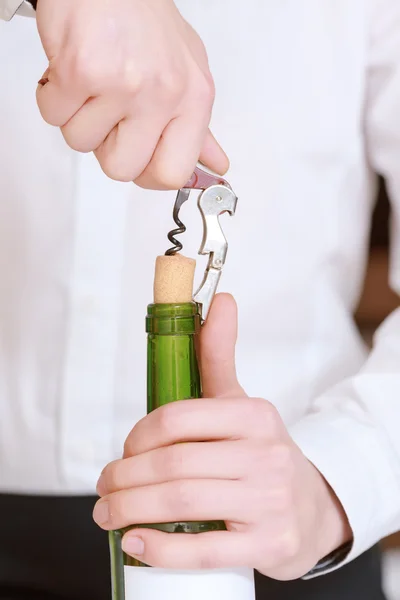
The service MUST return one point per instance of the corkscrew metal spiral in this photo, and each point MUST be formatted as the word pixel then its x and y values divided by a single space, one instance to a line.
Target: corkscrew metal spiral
pixel 183 195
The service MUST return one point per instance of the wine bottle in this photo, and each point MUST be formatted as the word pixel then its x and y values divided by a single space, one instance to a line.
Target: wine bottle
pixel 173 374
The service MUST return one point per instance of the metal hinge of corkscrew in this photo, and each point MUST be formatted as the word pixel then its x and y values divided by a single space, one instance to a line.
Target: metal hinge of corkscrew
pixel 216 198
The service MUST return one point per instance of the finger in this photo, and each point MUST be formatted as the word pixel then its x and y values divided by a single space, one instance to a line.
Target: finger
pixel 214 460
pixel 186 500
pixel 177 154
pixel 217 350
pixel 211 550
pixel 213 154
pixel 129 147
pixel 58 103
pixel 205 420
pixel 90 126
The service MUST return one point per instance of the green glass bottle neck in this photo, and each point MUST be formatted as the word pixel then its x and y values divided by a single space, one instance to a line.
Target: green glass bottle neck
pixel 173 319
pixel 172 368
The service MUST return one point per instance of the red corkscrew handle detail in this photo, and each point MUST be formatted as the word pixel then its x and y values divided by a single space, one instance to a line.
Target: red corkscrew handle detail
pixel 200 180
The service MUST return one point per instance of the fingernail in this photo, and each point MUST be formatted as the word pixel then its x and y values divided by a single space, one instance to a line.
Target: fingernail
pixel 101 513
pixel 133 545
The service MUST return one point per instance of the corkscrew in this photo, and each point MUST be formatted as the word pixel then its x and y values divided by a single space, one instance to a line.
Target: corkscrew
pixel 216 198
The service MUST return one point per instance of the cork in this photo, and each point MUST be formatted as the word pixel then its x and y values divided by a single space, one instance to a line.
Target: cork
pixel 173 281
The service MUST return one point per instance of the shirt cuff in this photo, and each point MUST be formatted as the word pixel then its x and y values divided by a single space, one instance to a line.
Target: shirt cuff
pixel 351 457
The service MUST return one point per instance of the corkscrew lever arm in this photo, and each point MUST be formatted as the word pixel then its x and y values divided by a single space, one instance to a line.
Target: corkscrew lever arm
pixel 215 199
pixel 213 202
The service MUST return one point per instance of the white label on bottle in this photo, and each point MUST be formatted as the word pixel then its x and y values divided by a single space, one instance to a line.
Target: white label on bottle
pixel 146 583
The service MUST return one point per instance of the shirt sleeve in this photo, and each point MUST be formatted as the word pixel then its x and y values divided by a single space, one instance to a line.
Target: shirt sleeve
pixel 352 434
pixel 9 8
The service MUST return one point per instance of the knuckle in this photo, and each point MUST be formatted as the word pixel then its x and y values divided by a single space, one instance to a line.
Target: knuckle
pixel 281 457
pixel 257 405
pixel 168 420
pixel 75 141
pixel 85 68
pixel 267 415
pixel 114 169
pixel 168 83
pixel 272 417
pixel 110 477
pixel 171 466
pixel 172 177
pixel 172 83
pixel 96 74
pixel 181 497
pixel 133 80
pixel 174 182
pixel 261 415
pixel 251 409
pixel 128 449
pixel 205 90
pixel 289 545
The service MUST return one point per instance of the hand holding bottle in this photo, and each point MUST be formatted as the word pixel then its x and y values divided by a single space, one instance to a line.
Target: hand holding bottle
pixel 129 80
pixel 225 456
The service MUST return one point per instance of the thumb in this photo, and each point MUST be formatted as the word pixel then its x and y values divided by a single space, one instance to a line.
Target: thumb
pixel 217 350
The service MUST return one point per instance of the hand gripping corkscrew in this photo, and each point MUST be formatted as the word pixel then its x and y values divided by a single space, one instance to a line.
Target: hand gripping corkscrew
pixel 216 198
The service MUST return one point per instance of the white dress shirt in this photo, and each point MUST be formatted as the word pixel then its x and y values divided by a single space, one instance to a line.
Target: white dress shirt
pixel 308 105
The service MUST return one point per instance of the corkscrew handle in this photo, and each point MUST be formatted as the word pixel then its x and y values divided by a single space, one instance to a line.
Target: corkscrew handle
pixel 201 180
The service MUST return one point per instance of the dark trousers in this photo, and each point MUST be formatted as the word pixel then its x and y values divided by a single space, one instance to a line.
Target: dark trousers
pixel 50 549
